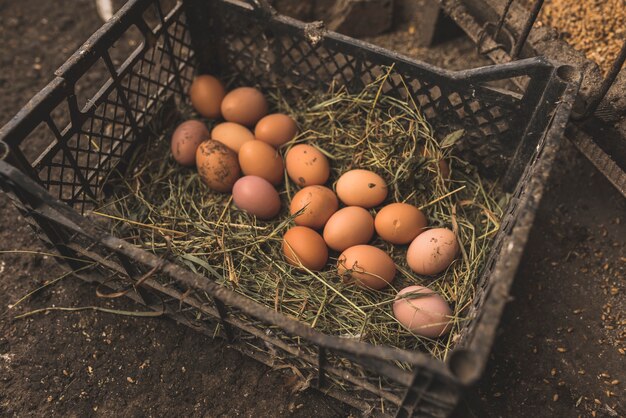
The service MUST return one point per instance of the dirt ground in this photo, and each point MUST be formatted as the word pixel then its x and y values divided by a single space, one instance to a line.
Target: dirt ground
pixel 560 350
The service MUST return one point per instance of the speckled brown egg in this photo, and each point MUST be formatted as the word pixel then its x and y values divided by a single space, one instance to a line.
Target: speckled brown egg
pixel 399 223
pixel 206 94
pixel 348 227
pixel 276 129
pixel 186 139
pixel 256 196
pixel 244 105
pixel 233 135
pixel 361 188
pixel 257 158
pixel 217 165
pixel 307 166
pixel 318 204
pixel 432 251
pixel 366 265
pixel 302 245
pixel 422 311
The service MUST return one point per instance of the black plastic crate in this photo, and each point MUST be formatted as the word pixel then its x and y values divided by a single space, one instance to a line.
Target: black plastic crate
pixel 90 129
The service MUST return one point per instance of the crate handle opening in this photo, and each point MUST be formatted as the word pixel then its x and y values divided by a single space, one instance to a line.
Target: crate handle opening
pixel 567 73
pixel 465 366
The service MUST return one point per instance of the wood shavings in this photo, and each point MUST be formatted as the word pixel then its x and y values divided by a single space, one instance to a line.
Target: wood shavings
pixel 595 27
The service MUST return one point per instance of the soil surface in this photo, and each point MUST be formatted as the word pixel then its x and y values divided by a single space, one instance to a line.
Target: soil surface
pixel 560 350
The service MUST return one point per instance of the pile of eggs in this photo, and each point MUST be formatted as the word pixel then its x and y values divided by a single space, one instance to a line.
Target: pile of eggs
pixel 240 155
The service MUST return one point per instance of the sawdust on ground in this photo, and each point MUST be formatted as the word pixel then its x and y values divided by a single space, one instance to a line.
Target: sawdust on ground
pixel 595 27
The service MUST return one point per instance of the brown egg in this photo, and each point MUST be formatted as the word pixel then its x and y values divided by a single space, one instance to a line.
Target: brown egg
pixel 304 245
pixel 426 313
pixel 361 188
pixel 348 227
pixel 257 197
pixel 319 204
pixel 257 158
pixel 399 223
pixel 432 251
pixel 206 93
pixel 244 105
pixel 217 165
pixel 233 135
pixel 307 166
pixel 186 139
pixel 367 266
pixel 276 129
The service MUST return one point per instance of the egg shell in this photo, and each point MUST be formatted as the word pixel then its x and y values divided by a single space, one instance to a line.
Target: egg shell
pixel 366 265
pixel 244 105
pixel 399 223
pixel 361 188
pixel 186 139
pixel 426 314
pixel 432 251
pixel 217 165
pixel 307 166
pixel 304 245
pixel 319 204
pixel 257 158
pixel 206 94
pixel 231 134
pixel 348 227
pixel 276 129
pixel 256 196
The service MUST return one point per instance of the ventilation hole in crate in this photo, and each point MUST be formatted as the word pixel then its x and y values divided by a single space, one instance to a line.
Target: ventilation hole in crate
pixel 171 54
pixel 59 177
pixel 455 100
pixel 155 13
pixel 502 126
pixel 122 49
pixel 37 142
pixel 343 68
pixel 136 87
pixel 495 111
pixel 245 57
pixel 313 65
pixel 429 112
pixel 474 105
pixel 371 72
pixel 480 120
pixel 396 85
pixel 102 140
pixel 434 93
pixel 414 84
pixel 83 149
pixel 461 112
pixel 145 85
pixel 60 116
pixel 423 100
pixel 90 82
